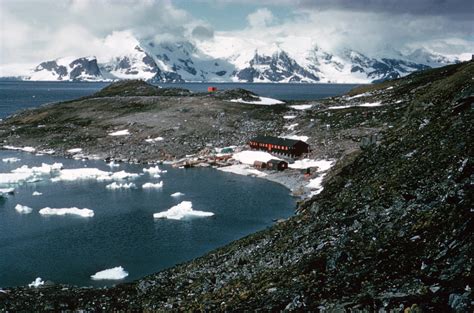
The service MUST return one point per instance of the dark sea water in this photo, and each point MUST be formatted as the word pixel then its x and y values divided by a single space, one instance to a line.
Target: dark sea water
pixel 19 95
pixel 69 249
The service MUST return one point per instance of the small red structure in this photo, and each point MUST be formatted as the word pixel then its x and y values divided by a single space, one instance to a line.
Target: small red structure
pixel 211 89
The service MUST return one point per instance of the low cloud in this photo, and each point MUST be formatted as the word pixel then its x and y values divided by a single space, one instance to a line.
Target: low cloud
pixel 202 33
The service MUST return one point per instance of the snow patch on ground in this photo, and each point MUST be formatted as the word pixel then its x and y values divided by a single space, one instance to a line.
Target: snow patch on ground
pixel 291 127
pixel 322 165
pixel 75 150
pixel 242 169
pixel 123 132
pixel 365 105
pixel 115 273
pixel 289 117
pixel 152 186
pixel 180 211
pixel 23 209
pixel 36 283
pixel 26 149
pixel 114 186
pixel 153 140
pixel 370 105
pixel 296 137
pixel 67 211
pixel 249 157
pixel 261 101
pixel 301 106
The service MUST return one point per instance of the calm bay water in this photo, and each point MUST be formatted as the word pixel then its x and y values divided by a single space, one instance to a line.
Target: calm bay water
pixel 69 249
pixel 16 96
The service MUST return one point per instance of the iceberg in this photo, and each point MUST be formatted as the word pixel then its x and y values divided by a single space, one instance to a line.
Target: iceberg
pixel 10 160
pixel 23 209
pixel 177 194
pixel 67 211
pixel 153 170
pixel 153 186
pixel 115 273
pixel 36 283
pixel 180 211
pixel 114 186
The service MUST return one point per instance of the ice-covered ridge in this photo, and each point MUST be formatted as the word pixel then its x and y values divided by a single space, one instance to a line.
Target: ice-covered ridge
pixel 67 211
pixel 261 101
pixel 180 211
pixel 115 273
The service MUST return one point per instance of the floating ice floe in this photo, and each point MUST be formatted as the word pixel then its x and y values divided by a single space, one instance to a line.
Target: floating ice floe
pixel 152 186
pixel 113 164
pixel 289 117
pixel 261 101
pixel 36 283
pixel 242 169
pixel 92 173
pixel 67 211
pixel 23 209
pixel 115 273
pixel 301 106
pixel 153 140
pixel 296 137
pixel 322 165
pixel 75 150
pixel 153 170
pixel 180 211
pixel 10 160
pixel 123 132
pixel 26 149
pixel 7 191
pixel 177 194
pixel 36 193
pixel 29 174
pixel 249 157
pixel 115 185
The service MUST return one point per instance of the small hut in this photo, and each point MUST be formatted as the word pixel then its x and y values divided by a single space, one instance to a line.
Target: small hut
pixel 277 165
pixel 259 164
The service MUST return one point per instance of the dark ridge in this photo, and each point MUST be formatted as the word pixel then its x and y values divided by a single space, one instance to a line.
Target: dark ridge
pixel 133 88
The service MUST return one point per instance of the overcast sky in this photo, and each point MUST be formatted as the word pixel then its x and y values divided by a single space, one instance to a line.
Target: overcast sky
pixel 37 30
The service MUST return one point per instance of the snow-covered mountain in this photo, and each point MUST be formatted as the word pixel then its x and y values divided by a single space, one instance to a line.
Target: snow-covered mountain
pixel 227 59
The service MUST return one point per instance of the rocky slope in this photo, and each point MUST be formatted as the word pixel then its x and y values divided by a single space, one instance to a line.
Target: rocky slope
pixel 392 230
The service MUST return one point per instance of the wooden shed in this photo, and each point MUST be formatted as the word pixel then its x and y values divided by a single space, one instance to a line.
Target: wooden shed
pixel 290 147
pixel 259 164
pixel 277 165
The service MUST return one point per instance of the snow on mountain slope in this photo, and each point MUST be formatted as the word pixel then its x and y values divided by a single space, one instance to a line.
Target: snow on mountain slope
pixel 229 58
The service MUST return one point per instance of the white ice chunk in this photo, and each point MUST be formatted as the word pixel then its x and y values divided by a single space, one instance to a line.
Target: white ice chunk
pixel 153 186
pixel 177 194
pixel 114 186
pixel 153 170
pixel 36 193
pixel 67 211
pixel 92 173
pixel 10 160
pixel 23 209
pixel 182 210
pixel 115 273
pixel 123 132
pixel 26 149
pixel 36 283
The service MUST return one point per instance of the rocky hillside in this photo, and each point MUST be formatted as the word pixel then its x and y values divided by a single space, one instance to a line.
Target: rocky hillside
pixel 392 230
